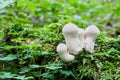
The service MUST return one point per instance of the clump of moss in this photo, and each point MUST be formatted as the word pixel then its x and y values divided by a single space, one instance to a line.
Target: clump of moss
pixel 102 64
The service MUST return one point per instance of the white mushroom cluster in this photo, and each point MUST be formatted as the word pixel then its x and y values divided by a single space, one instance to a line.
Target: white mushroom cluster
pixel 76 39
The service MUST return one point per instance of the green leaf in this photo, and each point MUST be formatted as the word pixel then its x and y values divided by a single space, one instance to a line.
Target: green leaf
pixel 47 75
pixel 36 74
pixel 44 53
pixel 5 75
pixel 4 3
pixel 53 67
pixel 31 6
pixel 68 73
pixel 20 77
pixel 10 57
pixel 23 77
pixel 25 69
pixel 34 66
pixel 84 61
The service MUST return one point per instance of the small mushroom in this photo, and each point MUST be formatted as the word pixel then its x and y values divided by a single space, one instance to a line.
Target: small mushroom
pixel 64 54
pixel 70 32
pixel 81 34
pixel 91 33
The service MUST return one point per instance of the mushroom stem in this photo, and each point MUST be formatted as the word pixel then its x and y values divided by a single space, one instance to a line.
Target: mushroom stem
pixel 64 54
pixel 81 35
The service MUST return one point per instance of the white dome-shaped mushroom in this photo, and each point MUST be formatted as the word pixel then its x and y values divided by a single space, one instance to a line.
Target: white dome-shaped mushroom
pixel 64 54
pixel 81 34
pixel 91 33
pixel 70 32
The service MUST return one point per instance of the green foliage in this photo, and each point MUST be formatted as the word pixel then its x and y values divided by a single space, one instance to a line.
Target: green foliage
pixel 30 30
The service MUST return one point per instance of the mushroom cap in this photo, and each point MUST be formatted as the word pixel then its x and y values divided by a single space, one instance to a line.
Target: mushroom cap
pixel 61 48
pixel 70 28
pixel 92 30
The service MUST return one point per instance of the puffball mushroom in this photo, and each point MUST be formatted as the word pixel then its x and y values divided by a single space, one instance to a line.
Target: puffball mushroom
pixel 64 54
pixel 91 33
pixel 81 35
pixel 70 32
